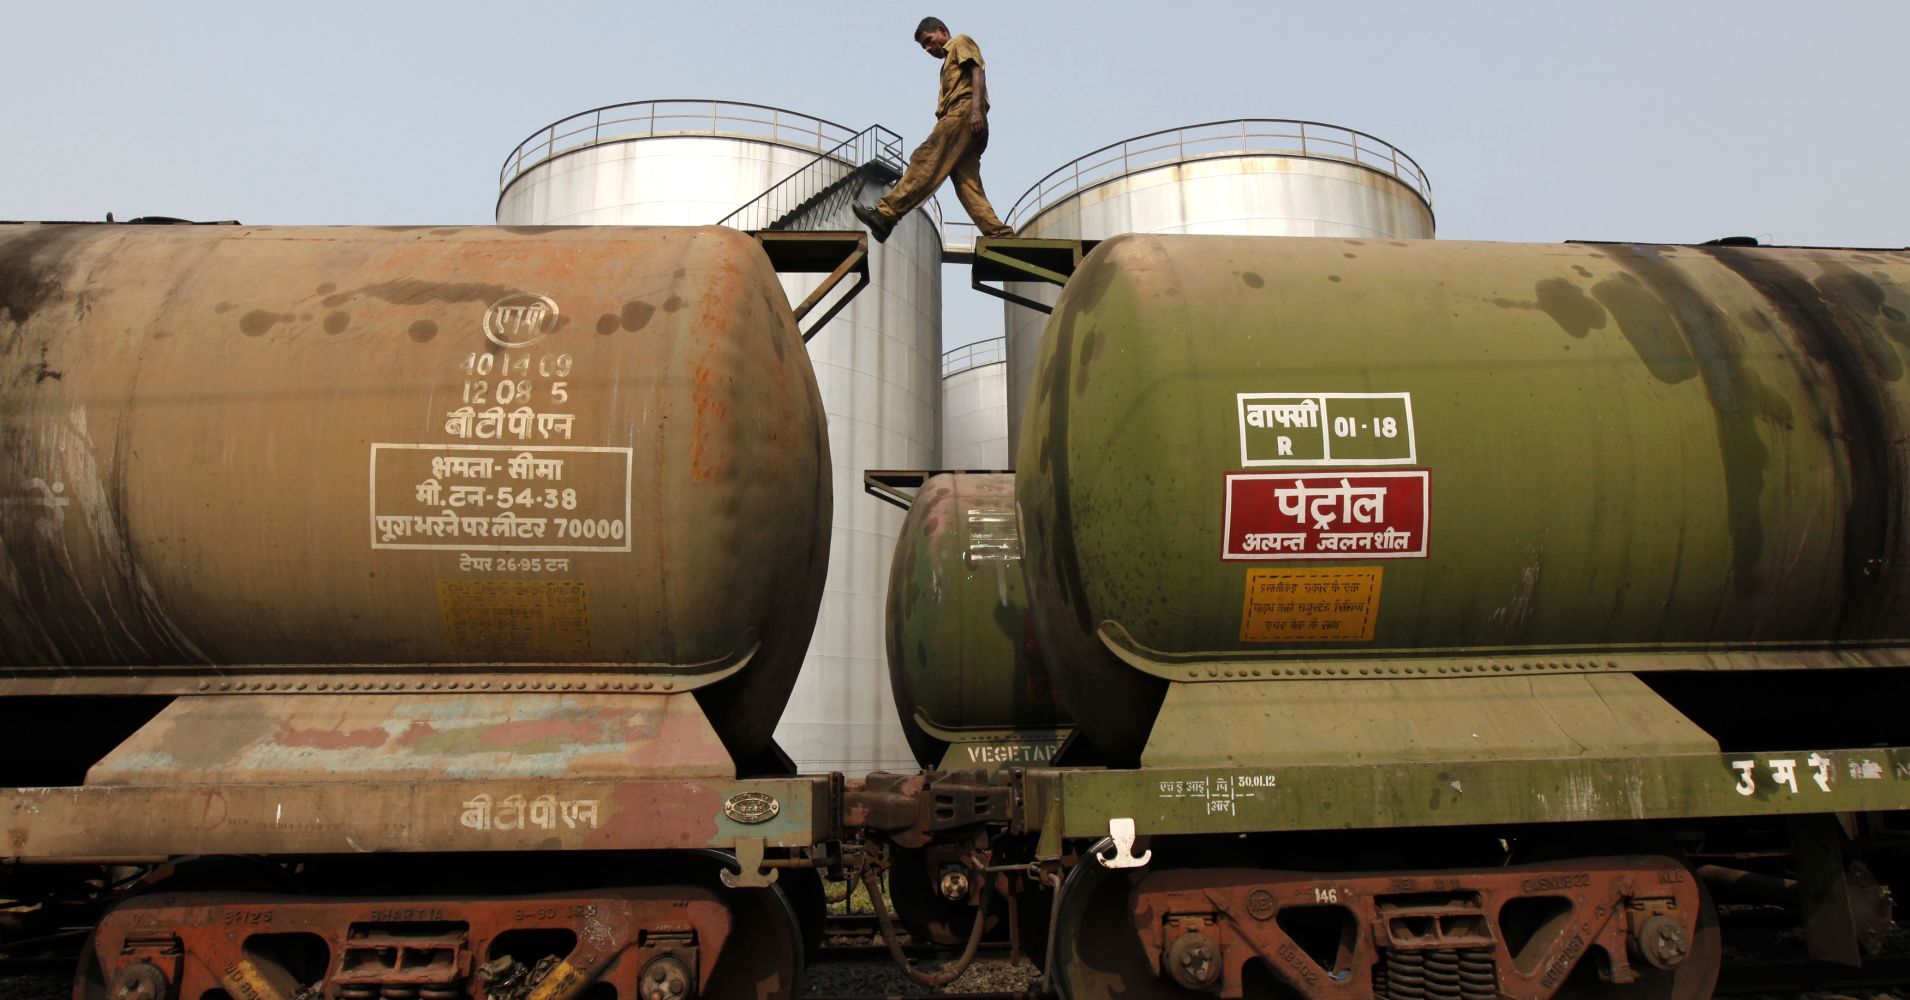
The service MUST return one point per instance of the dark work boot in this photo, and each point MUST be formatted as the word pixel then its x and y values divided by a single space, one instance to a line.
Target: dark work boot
pixel 879 227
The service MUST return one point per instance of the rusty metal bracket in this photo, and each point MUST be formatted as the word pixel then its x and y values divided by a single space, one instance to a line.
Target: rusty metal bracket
pixel 749 860
pixel 433 948
pixel 1010 259
pixel 1401 930
pixel 836 254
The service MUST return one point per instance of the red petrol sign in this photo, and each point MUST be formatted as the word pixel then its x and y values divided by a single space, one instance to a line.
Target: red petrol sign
pixel 1350 514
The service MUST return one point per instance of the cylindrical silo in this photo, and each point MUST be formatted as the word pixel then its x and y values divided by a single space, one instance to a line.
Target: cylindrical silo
pixel 1245 177
pixel 878 363
pixel 975 407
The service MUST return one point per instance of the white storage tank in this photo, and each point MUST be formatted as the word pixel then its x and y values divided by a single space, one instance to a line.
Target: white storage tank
pixel 975 406
pixel 1244 177
pixel 878 363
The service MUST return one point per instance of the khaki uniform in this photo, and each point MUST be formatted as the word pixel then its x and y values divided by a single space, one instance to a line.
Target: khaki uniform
pixel 950 150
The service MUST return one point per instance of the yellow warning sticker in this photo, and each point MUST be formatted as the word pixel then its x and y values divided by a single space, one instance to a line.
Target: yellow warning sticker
pixel 509 618
pixel 1308 605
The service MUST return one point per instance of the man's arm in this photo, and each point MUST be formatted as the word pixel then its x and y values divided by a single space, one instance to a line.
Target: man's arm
pixel 977 117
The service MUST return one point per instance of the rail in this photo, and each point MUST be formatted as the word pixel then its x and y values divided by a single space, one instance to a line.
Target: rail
pixel 639 119
pixel 1263 136
pixel 975 355
pixel 814 180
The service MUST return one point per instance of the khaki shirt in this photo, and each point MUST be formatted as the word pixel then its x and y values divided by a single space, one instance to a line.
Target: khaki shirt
pixel 962 53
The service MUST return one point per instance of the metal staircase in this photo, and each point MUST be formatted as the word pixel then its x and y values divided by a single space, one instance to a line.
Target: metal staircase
pixel 824 184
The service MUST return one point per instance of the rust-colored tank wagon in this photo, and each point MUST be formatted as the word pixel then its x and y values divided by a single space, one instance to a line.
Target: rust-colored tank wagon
pixel 1282 459
pixel 428 544
pixel 967 673
pixel 461 458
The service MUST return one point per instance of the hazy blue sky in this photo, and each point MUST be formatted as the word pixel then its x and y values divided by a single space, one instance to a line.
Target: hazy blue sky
pixel 1674 120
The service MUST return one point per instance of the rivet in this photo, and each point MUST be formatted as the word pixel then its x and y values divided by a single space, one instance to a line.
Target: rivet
pixel 1226 673
pixel 1256 673
pixel 300 685
pixel 647 685
pixel 1442 670
pixel 604 684
pixel 1612 664
pixel 225 685
pixel 203 685
pixel 1362 671
pixel 271 685
pixel 324 686
pixel 667 685
pixel 486 685
pixel 1193 673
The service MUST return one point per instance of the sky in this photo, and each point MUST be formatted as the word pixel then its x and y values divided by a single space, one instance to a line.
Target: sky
pixel 1666 121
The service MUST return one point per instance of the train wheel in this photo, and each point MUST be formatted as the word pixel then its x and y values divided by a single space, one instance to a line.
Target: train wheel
pixel 1096 952
pixel 764 959
pixel 1692 979
pixel 199 873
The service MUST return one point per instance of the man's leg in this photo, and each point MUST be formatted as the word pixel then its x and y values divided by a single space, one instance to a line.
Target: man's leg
pixel 928 167
pixel 968 189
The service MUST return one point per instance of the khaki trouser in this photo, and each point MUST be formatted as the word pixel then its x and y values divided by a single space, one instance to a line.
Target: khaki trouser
pixel 950 150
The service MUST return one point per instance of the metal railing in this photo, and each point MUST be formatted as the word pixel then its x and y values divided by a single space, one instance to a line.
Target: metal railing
pixel 1254 136
pixel 975 355
pixel 959 237
pixel 774 208
pixel 639 119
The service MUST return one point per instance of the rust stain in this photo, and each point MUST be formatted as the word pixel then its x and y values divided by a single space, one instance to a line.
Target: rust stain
pixel 709 409
pixel 688 821
pixel 330 739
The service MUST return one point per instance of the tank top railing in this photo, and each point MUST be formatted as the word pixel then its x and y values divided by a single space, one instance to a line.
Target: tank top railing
pixel 1251 136
pixel 790 197
pixel 975 355
pixel 959 237
pixel 642 119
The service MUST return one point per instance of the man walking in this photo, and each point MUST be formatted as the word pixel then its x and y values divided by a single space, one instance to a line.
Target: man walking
pixel 953 148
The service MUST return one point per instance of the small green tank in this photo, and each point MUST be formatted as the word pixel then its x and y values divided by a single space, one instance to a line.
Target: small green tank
pixel 967 674
pixel 1249 458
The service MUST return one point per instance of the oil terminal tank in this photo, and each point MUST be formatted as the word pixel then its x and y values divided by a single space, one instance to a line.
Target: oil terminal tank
pixel 975 406
pixel 963 660
pixel 410 448
pixel 693 162
pixel 1245 177
pixel 1259 456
